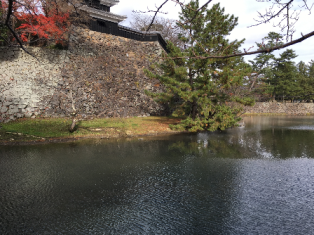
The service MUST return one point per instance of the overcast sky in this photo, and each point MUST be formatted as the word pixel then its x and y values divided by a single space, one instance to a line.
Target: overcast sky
pixel 245 10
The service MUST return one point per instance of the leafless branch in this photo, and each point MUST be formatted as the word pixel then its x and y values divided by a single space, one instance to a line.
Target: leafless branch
pixel 7 23
pixel 158 9
pixel 269 15
pixel 181 4
pixel 267 50
pixel 288 15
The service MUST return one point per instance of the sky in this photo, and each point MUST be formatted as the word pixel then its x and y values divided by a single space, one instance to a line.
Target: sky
pixel 246 11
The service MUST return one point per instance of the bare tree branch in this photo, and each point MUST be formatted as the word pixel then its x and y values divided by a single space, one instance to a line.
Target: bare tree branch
pixel 272 15
pixel 287 14
pixel 258 51
pixel 267 17
pixel 7 23
pixel 182 5
pixel 158 9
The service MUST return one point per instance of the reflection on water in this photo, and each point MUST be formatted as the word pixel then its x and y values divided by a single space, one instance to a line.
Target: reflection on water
pixel 253 180
pixel 262 137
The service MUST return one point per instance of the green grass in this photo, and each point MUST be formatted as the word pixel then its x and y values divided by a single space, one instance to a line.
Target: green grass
pixel 273 114
pixel 134 125
pixel 104 122
pixel 264 114
pixel 40 127
pixel 59 127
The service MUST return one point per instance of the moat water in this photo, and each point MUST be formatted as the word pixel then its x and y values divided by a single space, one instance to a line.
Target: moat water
pixel 253 180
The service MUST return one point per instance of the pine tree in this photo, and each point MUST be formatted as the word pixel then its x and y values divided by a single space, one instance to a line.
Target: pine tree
pixel 280 73
pixel 306 80
pixel 311 69
pixel 263 63
pixel 199 89
pixel 285 77
pixel 311 80
pixel 303 77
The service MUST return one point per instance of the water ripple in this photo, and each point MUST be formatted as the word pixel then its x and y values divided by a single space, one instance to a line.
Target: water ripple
pixel 237 182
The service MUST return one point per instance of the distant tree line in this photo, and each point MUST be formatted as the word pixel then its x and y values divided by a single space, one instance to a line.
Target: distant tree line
pixel 280 78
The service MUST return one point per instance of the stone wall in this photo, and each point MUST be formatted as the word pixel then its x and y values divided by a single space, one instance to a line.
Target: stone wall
pixel 281 108
pixel 30 86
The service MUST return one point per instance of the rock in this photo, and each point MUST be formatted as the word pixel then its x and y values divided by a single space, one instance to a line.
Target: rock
pixel 33 91
pixel 3 109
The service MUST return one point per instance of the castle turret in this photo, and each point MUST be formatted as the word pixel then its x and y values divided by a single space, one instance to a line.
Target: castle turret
pixel 100 9
pixel 106 22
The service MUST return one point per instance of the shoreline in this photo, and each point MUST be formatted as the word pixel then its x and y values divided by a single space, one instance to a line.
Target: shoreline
pixel 55 130
pixel 116 129
pixel 275 114
pixel 74 139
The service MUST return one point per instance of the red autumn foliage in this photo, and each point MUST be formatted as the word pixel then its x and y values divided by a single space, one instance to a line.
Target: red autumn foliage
pixel 45 23
pixel 53 27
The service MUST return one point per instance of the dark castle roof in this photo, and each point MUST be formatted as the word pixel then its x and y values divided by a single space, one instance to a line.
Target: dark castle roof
pixel 107 22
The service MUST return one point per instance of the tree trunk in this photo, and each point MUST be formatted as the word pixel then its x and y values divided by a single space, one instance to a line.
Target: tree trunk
pixel 29 39
pixel 72 128
pixel 274 97
pixel 253 83
pixel 194 103
pixel 194 110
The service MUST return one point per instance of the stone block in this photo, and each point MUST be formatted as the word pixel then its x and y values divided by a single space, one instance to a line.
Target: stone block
pixel 19 115
pixel 7 103
pixel 29 109
pixel 13 110
pixel 3 109
pixel 33 105
pixel 16 100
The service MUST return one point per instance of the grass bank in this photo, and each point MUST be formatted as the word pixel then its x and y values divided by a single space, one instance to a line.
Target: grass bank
pixel 57 129
pixel 264 114
pixel 276 114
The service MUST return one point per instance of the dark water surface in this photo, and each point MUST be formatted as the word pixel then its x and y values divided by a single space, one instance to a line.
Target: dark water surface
pixel 253 180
